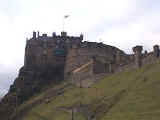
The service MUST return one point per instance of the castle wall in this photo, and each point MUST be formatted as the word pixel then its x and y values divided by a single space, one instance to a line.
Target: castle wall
pixel 43 53
pixel 83 76
pixel 76 57
pixel 100 67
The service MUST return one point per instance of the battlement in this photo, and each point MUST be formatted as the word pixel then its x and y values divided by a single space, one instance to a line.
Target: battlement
pixel 63 37
pixel 137 49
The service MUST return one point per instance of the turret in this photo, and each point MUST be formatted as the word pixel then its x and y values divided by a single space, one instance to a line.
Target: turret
pixel 81 37
pixel 63 34
pixel 37 33
pixel 54 34
pixel 34 35
pixel 138 55
pixel 156 51
pixel 44 35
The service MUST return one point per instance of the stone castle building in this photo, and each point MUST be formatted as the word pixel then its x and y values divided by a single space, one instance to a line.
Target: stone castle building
pixel 64 54
pixel 52 59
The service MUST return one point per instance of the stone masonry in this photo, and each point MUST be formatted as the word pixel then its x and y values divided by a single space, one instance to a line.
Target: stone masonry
pixel 156 51
pixel 138 55
pixel 83 53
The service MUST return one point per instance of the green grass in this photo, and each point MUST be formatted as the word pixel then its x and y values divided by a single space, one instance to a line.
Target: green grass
pixel 128 95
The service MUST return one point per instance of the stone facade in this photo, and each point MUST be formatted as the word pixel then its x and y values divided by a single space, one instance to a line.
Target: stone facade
pixel 83 53
pixel 45 51
pixel 83 75
pixel 100 67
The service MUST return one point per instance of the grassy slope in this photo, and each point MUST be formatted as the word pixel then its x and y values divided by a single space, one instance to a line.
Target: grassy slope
pixel 129 95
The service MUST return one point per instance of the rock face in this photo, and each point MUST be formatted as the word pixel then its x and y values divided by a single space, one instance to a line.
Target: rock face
pixel 51 59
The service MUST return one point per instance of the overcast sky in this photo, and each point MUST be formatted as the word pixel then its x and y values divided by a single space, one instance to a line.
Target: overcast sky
pixel 122 23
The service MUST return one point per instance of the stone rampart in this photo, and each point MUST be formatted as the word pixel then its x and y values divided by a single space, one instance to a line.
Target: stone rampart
pixel 82 54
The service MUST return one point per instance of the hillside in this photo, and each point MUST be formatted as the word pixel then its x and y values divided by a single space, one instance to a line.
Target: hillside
pixel 127 95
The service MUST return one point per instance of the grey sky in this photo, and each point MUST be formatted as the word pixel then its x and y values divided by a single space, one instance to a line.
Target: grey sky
pixel 122 23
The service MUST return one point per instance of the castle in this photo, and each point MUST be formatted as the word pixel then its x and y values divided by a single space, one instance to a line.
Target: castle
pixel 68 53
pixel 61 57
pixel 49 50
pixel 53 59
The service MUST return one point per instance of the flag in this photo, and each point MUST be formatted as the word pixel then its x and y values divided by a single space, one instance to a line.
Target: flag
pixel 66 16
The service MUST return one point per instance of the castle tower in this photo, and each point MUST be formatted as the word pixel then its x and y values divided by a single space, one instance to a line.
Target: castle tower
pixel 156 51
pixel 64 34
pixel 138 55
pixel 34 35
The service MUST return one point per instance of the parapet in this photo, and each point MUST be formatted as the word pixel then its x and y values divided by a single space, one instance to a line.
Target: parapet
pixel 137 49
pixel 44 35
pixel 63 36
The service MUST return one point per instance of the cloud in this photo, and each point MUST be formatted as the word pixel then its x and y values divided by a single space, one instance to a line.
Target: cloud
pixel 5 80
pixel 139 27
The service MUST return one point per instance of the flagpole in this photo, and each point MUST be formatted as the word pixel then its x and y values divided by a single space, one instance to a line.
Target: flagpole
pixel 63 25
pixel 64 17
